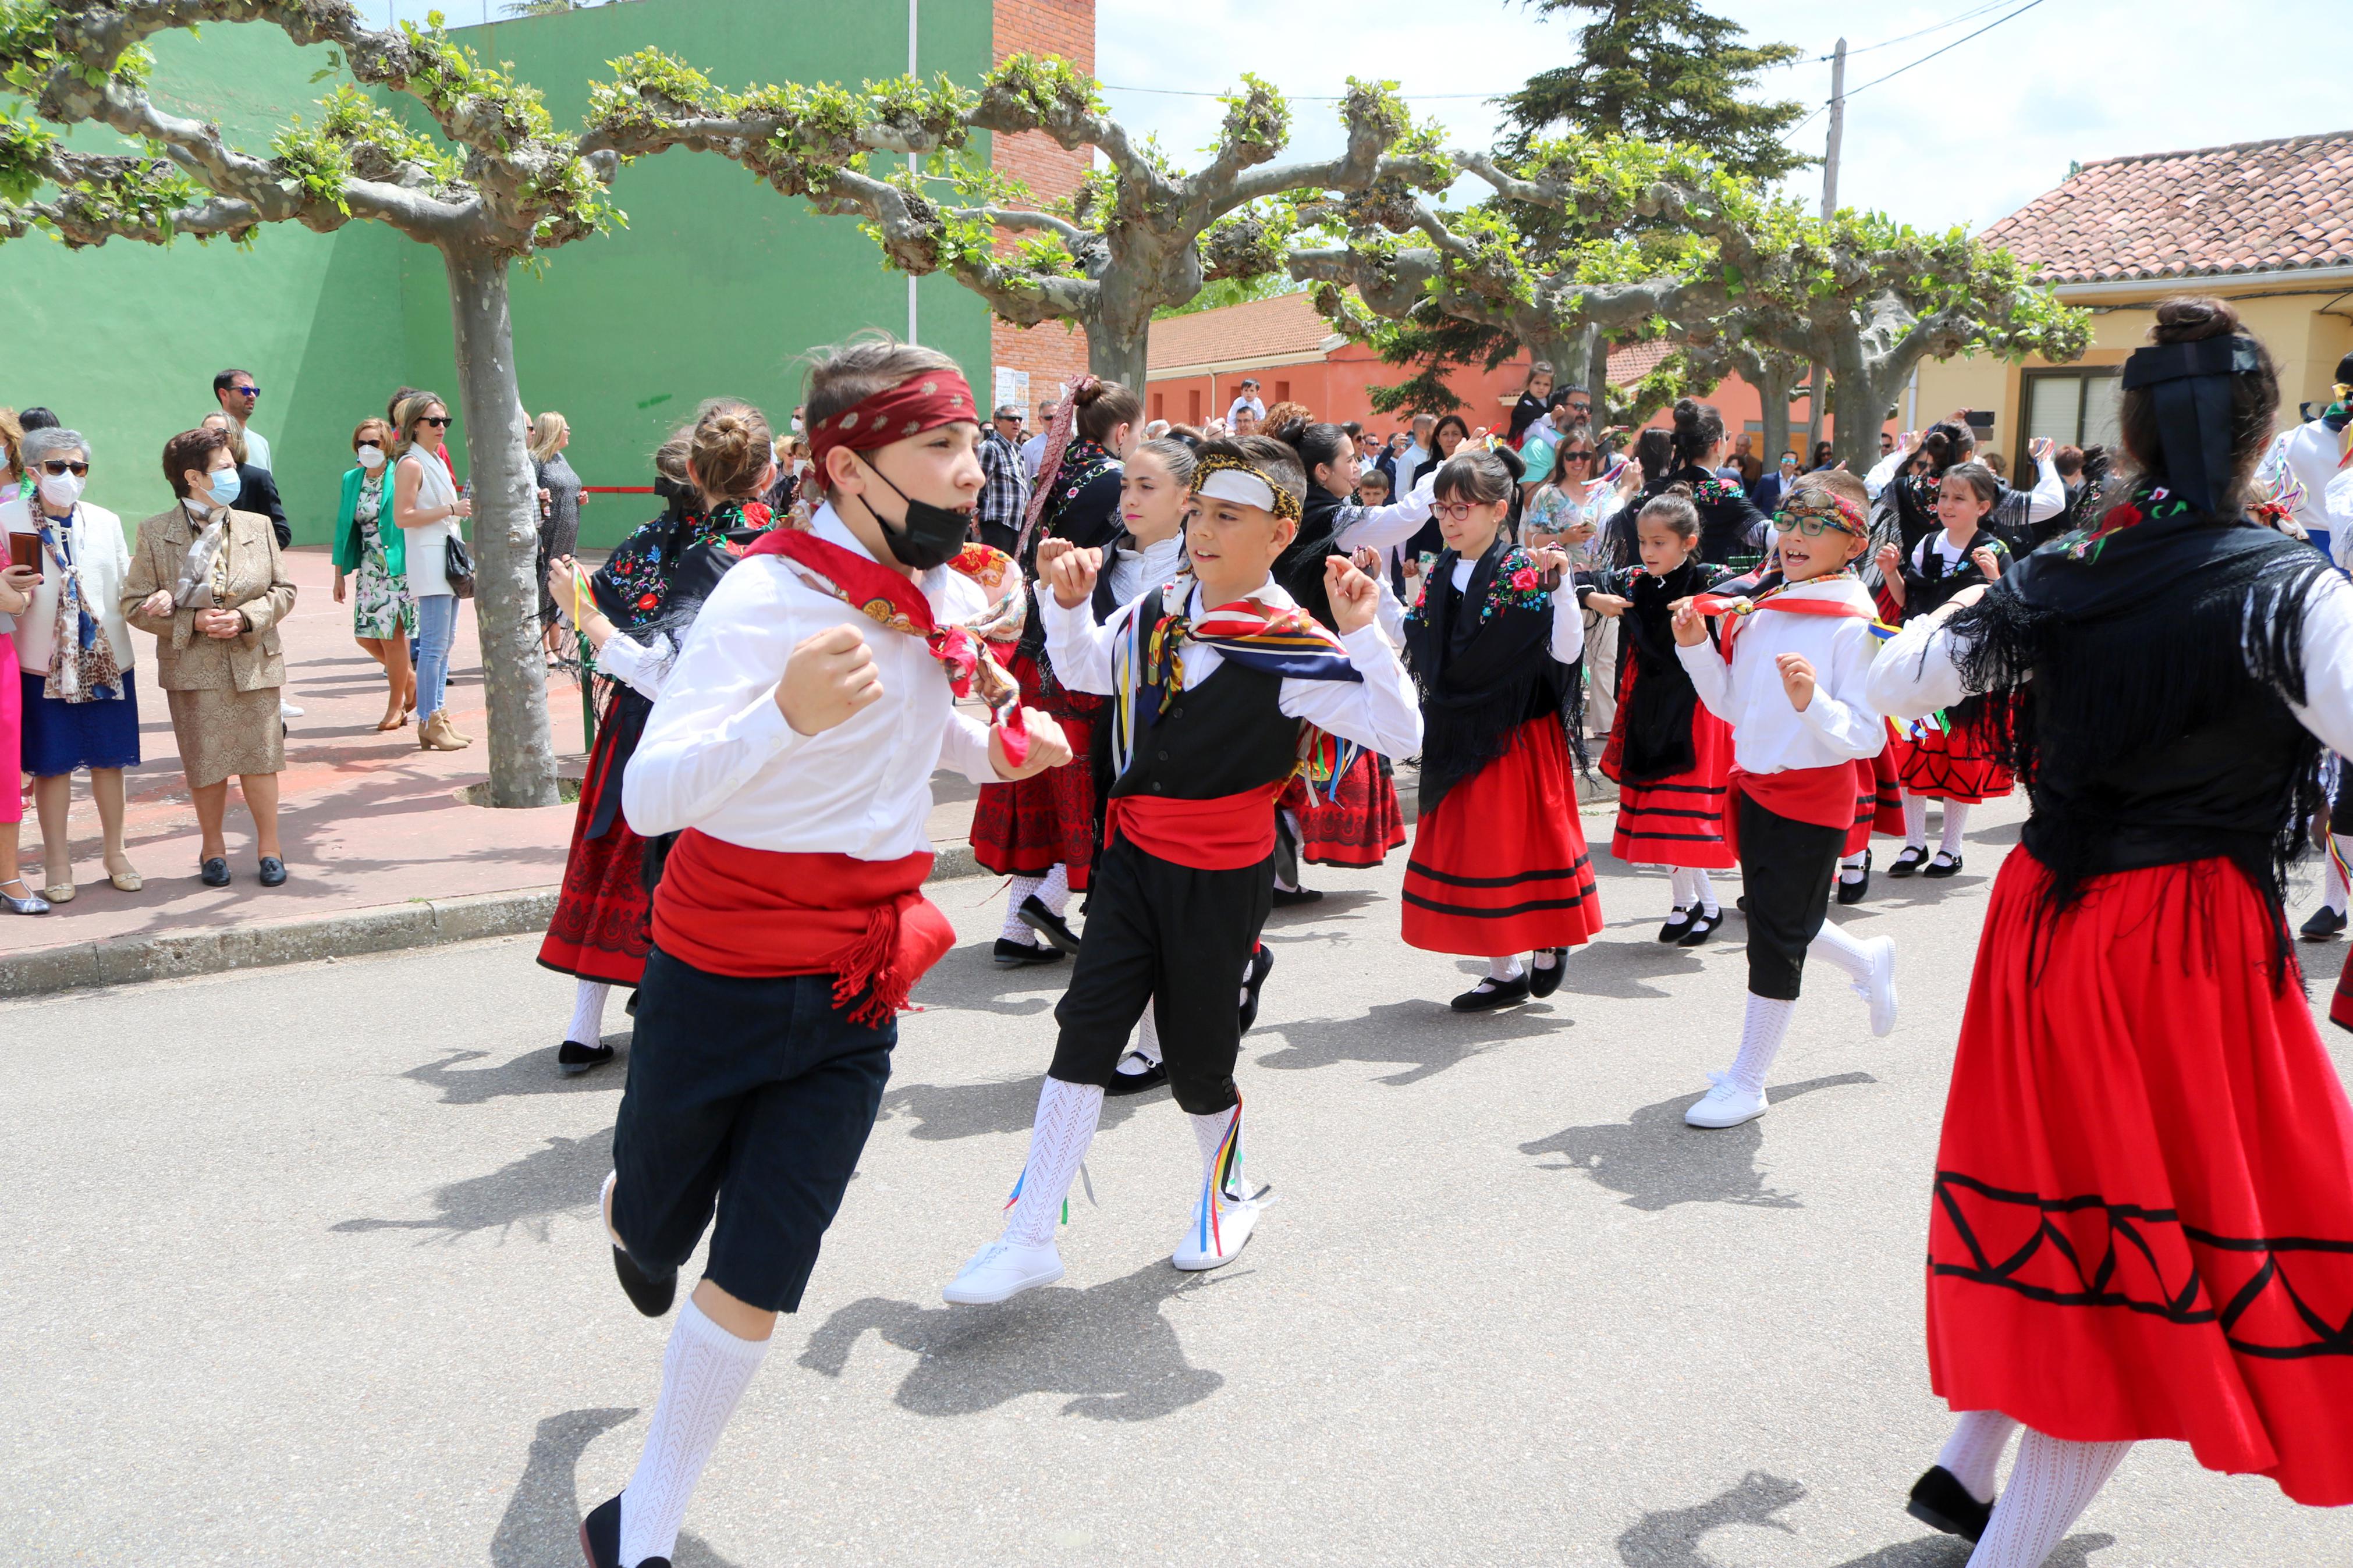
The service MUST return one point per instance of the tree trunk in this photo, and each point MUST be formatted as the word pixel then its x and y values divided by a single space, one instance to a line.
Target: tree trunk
pixel 1773 392
pixel 1861 394
pixel 1813 417
pixel 505 532
pixel 1114 354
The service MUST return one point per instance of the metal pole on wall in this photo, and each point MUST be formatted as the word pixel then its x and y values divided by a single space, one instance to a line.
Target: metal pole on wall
pixel 913 70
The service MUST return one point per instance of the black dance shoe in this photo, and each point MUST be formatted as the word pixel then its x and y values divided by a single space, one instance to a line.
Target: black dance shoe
pixel 1261 965
pixel 1011 954
pixel 2325 923
pixel 1941 1502
pixel 1911 860
pixel 214 873
pixel 1286 897
pixel 1491 993
pixel 273 871
pixel 1854 892
pixel 1943 866
pixel 1679 924
pixel 572 1058
pixel 650 1294
pixel 1544 979
pixel 600 1538
pixel 1702 926
pixel 1122 1083
pixel 1034 914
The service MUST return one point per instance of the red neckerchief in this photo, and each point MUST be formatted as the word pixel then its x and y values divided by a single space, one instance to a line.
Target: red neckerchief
pixel 1737 610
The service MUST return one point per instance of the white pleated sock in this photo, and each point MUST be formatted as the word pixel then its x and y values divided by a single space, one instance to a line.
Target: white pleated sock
pixel 1209 1131
pixel 1850 868
pixel 1957 819
pixel 2342 844
pixel 1055 891
pixel 1973 1453
pixel 1704 891
pixel 704 1373
pixel 588 1025
pixel 1067 1114
pixel 1834 946
pixel 1762 1030
pixel 1680 889
pixel 1505 968
pixel 1546 957
pixel 1915 821
pixel 1147 1036
pixel 1290 822
pixel 1017 890
pixel 2050 1487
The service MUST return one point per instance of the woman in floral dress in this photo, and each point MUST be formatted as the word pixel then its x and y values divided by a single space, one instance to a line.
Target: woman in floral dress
pixel 383 617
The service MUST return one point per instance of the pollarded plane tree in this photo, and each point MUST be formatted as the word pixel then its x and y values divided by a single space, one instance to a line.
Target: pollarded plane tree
pixel 499 187
pixel 1137 234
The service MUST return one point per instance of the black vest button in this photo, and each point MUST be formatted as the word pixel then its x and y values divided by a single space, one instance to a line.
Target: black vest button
pixel 1164 756
pixel 1177 713
pixel 1156 786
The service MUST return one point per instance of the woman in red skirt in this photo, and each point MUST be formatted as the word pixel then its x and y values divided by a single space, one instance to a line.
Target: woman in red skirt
pixel 1670 757
pixel 2142 1224
pixel 1499 864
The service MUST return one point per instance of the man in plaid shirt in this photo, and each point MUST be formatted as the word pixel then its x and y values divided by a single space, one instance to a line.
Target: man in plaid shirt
pixel 1005 497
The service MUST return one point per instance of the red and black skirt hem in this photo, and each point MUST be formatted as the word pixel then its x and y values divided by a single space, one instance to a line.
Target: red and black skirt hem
pixel 1500 866
pixel 1356 829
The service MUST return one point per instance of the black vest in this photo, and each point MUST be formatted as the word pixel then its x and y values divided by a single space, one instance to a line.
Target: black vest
pixel 1225 736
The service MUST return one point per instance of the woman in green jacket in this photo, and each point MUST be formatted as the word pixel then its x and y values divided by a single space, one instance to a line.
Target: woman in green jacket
pixel 383 617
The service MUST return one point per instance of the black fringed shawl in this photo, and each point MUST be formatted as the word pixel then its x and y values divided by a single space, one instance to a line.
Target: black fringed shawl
pixel 1658 712
pixel 2152 656
pixel 1482 660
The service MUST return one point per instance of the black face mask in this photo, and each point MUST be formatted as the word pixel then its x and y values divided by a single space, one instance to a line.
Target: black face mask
pixel 932 535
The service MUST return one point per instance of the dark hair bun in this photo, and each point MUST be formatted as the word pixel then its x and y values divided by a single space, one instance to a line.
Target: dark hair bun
pixel 1936 444
pixel 1687 411
pixel 1515 465
pixel 1679 489
pixel 2188 320
pixel 1089 393
pixel 1292 433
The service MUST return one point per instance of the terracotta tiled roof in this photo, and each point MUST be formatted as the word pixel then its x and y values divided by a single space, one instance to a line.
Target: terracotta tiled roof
pixel 2254 206
pixel 1285 324
pixel 1629 365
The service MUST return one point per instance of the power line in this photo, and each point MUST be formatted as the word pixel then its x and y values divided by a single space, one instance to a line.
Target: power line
pixel 1955 43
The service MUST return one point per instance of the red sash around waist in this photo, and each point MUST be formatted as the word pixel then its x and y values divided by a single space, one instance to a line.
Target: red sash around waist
pixel 1222 834
pixel 1826 797
pixel 727 909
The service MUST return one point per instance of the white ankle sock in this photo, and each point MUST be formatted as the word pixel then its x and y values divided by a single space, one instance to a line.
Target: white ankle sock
pixel 1973 1453
pixel 588 1025
pixel 1019 889
pixel 1067 1114
pixel 1680 888
pixel 1834 946
pixel 1957 819
pixel 2050 1487
pixel 1762 1030
pixel 704 1373
pixel 1546 957
pixel 1915 821
pixel 1505 968
pixel 1704 891
pixel 2340 855
pixel 1055 891
pixel 1850 868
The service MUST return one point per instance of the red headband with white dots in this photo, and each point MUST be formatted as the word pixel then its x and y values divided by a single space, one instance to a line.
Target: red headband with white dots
pixel 922 402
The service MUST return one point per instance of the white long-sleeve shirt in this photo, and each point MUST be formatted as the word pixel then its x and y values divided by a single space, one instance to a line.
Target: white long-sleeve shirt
pixel 1840 724
pixel 642 667
pixel 2047 499
pixel 2312 452
pixel 1567 616
pixel 718 755
pixel 1384 528
pixel 1380 712
pixel 1916 673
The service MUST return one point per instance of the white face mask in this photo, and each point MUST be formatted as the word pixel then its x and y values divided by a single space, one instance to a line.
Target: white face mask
pixel 371 458
pixel 60 490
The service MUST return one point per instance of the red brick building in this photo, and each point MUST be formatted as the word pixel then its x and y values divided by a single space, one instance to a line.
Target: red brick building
pixel 1044 356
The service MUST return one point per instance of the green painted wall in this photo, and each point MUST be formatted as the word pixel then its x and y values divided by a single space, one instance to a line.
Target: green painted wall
pixel 716 287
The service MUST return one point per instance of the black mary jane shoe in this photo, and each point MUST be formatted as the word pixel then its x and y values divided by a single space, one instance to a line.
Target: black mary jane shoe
pixel 2324 924
pixel 1854 892
pixel 273 871
pixel 1943 866
pixel 1544 979
pixel 1284 898
pixel 1911 860
pixel 214 873
pixel 1011 954
pixel 1940 1501
pixel 1034 914
pixel 1678 924
pixel 1253 980
pixel 1142 1082
pixel 600 1538
pixel 572 1058
pixel 1702 926
pixel 1490 995
pixel 650 1294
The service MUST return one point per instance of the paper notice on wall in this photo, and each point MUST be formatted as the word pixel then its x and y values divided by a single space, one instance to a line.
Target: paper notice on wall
pixel 1012 387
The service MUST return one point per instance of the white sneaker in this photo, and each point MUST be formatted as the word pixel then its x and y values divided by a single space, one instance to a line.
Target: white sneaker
pixel 1725 1105
pixel 1879 989
pixel 287 710
pixel 1003 1270
pixel 1210 1242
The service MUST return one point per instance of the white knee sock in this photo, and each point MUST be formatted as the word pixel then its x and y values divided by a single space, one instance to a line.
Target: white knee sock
pixel 1834 946
pixel 1973 1453
pixel 1020 887
pixel 1055 891
pixel 588 1025
pixel 1679 887
pixel 1915 821
pixel 1290 823
pixel 1956 817
pixel 1761 1034
pixel 704 1373
pixel 1850 868
pixel 1067 1114
pixel 1704 891
pixel 1221 1171
pixel 1147 1037
pixel 1505 968
pixel 2050 1487
pixel 2340 855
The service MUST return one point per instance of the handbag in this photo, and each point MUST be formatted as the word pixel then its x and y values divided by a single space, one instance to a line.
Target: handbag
pixel 457 565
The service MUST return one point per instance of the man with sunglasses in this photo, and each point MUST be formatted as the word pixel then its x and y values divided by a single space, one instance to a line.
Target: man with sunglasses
pixel 237 392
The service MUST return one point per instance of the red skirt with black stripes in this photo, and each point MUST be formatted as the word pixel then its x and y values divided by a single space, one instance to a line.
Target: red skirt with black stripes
pixel 1957 764
pixel 1501 866
pixel 1677 820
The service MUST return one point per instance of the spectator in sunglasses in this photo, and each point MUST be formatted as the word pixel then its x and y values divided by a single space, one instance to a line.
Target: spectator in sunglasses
pixel 428 510
pixel 237 392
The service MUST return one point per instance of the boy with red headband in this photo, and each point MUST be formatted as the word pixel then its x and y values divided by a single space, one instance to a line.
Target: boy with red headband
pixel 1224 687
pixel 792 754
pixel 1790 681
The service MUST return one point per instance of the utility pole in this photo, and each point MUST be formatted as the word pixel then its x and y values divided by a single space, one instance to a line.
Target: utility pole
pixel 1829 205
pixel 913 163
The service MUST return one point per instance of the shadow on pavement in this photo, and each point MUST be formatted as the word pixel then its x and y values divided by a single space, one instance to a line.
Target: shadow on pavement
pixel 1670 1537
pixel 1423 1037
pixel 541 1524
pixel 1108 1346
pixel 1658 1162
pixel 561 1178
pixel 945 1110
pixel 533 1072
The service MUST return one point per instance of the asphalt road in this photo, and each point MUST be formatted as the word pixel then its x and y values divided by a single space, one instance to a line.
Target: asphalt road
pixel 306 1270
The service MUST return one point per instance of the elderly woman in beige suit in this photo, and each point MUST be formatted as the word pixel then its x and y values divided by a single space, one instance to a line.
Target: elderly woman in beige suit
pixel 207 579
